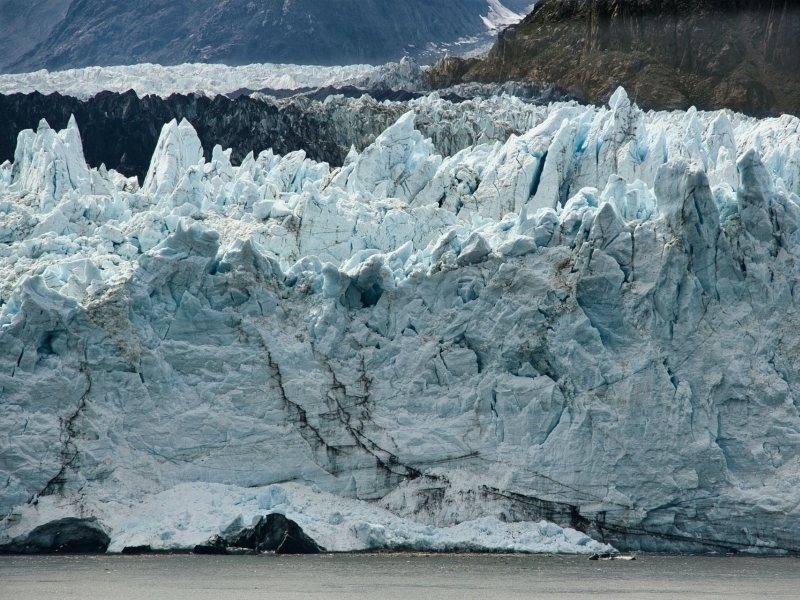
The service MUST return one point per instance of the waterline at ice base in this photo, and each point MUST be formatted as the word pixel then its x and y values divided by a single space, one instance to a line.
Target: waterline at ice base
pixel 583 339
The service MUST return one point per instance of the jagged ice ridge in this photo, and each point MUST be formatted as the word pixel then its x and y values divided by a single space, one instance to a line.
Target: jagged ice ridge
pixel 593 323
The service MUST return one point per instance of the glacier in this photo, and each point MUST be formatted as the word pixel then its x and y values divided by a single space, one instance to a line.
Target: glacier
pixel 585 336
pixel 212 79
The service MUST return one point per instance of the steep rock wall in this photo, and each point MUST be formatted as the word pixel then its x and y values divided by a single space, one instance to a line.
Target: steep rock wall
pixel 740 54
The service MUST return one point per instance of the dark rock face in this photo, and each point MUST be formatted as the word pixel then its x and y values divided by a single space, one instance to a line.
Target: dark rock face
pixel 109 32
pixel 215 546
pixel 276 533
pixel 739 54
pixel 67 536
pixel 451 70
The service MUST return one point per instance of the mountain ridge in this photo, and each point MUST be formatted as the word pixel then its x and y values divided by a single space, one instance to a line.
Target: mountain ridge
pixel 669 54
pixel 236 32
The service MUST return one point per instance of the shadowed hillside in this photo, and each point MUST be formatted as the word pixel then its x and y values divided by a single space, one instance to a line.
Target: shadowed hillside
pixel 235 32
pixel 739 54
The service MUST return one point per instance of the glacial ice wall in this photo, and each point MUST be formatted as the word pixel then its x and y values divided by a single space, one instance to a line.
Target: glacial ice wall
pixel 592 324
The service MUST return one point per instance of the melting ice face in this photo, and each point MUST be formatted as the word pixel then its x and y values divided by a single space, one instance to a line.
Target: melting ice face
pixel 592 323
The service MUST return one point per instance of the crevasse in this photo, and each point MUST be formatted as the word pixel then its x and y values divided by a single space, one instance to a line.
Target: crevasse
pixel 592 324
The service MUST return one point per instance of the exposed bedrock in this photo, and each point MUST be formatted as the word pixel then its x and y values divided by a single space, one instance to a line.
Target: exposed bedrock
pixel 593 323
pixel 737 54
pixel 64 536
pixel 273 533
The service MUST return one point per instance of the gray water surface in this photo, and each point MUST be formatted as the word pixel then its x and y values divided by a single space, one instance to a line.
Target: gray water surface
pixel 390 576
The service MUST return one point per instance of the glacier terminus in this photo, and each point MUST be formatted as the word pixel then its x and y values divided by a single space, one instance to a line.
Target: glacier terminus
pixel 580 339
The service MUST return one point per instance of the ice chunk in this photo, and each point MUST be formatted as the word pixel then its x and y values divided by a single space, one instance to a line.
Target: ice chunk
pixel 399 164
pixel 474 250
pixel 178 149
pixel 50 164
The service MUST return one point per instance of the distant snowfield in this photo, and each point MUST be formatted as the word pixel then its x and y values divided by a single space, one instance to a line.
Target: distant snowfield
pixel 208 79
pixel 500 16
pixel 497 18
pixel 216 79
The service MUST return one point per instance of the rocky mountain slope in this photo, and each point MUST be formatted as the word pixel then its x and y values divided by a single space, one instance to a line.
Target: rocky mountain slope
pixel 23 25
pixel 235 32
pixel 739 54
pixel 593 324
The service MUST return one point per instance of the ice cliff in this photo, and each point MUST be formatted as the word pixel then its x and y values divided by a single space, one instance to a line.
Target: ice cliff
pixel 591 328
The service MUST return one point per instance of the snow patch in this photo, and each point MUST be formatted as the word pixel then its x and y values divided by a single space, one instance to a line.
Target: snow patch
pixel 500 17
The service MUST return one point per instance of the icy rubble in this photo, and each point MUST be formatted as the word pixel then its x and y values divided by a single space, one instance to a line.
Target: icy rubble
pixel 452 126
pixel 191 514
pixel 210 79
pixel 593 323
